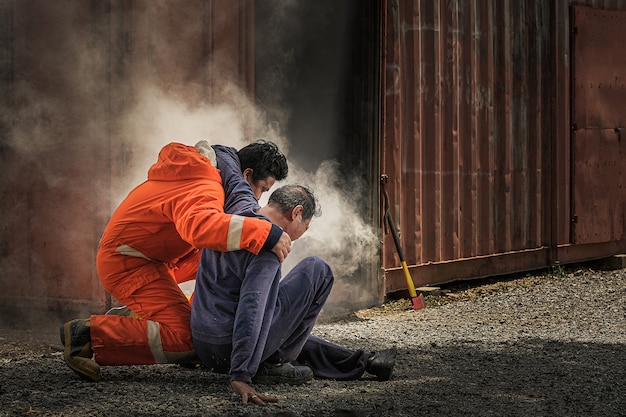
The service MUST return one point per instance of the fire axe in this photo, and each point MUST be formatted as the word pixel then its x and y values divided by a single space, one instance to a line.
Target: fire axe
pixel 417 302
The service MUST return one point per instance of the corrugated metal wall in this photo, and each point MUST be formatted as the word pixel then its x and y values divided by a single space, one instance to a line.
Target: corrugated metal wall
pixel 476 137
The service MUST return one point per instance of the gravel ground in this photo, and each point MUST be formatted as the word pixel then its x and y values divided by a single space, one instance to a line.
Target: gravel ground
pixel 551 344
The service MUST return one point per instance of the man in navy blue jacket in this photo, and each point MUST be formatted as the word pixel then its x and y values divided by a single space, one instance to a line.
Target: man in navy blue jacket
pixel 249 323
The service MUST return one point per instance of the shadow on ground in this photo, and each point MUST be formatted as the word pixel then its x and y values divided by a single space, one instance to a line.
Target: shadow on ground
pixel 528 377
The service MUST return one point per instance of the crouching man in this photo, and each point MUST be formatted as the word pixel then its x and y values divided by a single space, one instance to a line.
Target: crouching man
pixel 152 243
pixel 248 322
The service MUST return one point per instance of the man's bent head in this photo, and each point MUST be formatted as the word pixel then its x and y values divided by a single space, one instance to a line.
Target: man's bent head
pixel 292 207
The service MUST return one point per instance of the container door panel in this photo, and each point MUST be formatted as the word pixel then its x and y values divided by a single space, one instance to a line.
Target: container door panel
pixel 599 99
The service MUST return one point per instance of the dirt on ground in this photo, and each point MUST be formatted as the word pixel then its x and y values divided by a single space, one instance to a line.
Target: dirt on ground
pixel 551 343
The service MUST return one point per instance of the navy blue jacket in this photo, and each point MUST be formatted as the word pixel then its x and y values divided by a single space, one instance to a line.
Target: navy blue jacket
pixel 236 292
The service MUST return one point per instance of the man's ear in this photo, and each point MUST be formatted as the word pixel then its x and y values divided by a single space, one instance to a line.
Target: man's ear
pixel 295 211
pixel 247 174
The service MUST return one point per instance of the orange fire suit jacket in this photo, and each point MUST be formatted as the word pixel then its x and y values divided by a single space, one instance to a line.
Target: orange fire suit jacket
pixel 176 212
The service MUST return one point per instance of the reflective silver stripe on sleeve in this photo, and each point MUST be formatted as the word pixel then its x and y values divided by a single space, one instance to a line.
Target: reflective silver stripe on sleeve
pixel 235 229
pixel 154 341
pixel 127 250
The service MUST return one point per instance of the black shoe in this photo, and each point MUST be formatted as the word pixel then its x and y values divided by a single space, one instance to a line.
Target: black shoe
pixel 282 373
pixel 381 363
pixel 76 337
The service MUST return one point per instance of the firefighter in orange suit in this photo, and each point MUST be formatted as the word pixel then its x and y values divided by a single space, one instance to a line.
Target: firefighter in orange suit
pixel 156 233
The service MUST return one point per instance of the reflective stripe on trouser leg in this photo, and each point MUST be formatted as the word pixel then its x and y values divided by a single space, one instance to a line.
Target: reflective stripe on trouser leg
pixel 154 340
pixel 235 229
pixel 156 347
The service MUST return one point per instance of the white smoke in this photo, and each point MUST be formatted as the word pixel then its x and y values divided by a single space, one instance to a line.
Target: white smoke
pixel 158 119
pixel 339 236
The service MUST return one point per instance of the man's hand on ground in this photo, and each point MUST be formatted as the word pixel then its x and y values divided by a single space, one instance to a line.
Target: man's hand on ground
pixel 282 247
pixel 247 393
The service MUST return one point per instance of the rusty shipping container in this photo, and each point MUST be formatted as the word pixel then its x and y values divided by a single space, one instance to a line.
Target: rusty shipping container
pixel 496 125
pixel 501 135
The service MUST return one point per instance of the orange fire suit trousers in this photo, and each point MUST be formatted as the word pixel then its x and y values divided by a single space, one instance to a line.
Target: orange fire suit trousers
pixel 161 334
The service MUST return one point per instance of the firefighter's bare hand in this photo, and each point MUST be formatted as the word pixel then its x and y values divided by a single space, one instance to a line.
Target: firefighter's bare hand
pixel 282 247
pixel 247 393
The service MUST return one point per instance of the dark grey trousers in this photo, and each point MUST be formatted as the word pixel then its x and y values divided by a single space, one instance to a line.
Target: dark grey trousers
pixel 301 296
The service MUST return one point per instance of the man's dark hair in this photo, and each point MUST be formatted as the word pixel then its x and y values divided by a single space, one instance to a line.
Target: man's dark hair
pixel 265 159
pixel 289 196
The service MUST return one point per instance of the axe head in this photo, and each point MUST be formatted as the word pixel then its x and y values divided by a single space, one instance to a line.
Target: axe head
pixel 417 302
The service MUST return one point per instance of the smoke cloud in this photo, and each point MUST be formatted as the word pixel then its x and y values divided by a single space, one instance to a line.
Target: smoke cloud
pixel 157 119
pixel 82 122
pixel 339 236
